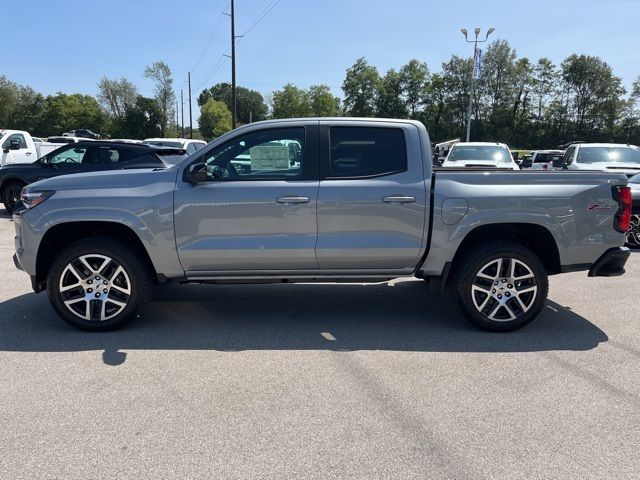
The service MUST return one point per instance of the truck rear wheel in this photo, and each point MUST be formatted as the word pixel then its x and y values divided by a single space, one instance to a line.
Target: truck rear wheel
pixel 500 286
pixel 98 284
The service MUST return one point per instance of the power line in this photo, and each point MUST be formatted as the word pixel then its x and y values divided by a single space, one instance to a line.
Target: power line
pixel 265 11
pixel 270 6
pixel 216 29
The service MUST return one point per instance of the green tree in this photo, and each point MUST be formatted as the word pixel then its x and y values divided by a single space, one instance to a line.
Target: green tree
pixel 545 84
pixel 250 104
pixel 360 89
pixel 21 106
pixel 389 101
pixel 594 93
pixel 415 84
pixel 116 95
pixel 215 119
pixel 140 120
pixel 160 73
pixel 456 78
pixel 322 102
pixel 62 112
pixel 291 102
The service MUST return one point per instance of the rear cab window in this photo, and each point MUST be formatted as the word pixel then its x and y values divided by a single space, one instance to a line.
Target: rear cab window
pixel 361 152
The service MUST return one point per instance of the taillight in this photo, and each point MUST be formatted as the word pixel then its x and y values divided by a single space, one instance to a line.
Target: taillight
pixel 622 218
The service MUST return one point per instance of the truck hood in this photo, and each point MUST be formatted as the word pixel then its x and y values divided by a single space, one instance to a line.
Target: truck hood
pixel 618 167
pixel 115 179
pixel 477 163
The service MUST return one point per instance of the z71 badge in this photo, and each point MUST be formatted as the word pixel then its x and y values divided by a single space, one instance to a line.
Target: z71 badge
pixel 599 206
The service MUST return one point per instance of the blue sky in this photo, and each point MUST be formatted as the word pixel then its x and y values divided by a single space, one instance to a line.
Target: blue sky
pixel 68 46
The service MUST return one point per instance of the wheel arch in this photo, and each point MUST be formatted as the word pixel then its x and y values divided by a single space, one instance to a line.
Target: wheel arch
pixel 535 237
pixel 8 180
pixel 61 235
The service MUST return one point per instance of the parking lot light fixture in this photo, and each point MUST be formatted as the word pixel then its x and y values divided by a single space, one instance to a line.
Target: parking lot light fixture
pixel 475 42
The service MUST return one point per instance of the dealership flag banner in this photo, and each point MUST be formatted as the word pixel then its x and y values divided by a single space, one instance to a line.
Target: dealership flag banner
pixel 477 64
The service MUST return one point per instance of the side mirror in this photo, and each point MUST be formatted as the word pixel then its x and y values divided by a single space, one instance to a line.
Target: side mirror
pixel 14 145
pixel 196 173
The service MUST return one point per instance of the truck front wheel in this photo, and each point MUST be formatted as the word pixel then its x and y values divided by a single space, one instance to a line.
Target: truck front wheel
pixel 98 284
pixel 500 286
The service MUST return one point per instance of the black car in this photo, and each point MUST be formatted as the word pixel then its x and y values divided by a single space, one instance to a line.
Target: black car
pixel 83 156
pixel 83 133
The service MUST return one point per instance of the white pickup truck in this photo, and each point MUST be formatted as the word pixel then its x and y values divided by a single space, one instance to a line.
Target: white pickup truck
pixel 19 147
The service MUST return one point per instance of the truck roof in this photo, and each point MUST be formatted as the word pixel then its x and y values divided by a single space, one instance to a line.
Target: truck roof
pixel 619 145
pixel 481 144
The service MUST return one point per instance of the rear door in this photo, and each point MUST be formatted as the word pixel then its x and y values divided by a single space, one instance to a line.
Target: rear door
pixel 372 202
pixel 257 211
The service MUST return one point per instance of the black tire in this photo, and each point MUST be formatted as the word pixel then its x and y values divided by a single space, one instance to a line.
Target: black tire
pixel 11 195
pixel 136 278
pixel 523 305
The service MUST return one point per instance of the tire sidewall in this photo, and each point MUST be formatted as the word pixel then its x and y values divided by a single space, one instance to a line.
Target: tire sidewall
pixel 5 195
pixel 467 277
pixel 117 252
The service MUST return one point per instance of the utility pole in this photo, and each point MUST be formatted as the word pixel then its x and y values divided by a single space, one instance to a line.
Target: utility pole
pixel 190 119
pixel 182 110
pixel 474 74
pixel 233 67
pixel 177 124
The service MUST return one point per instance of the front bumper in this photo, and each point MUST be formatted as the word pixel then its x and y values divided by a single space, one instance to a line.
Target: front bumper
pixel 611 263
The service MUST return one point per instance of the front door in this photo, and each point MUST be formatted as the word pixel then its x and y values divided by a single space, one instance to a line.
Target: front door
pixel 373 203
pixel 23 155
pixel 257 210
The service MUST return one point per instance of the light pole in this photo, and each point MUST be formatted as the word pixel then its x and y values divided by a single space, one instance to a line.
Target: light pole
pixel 475 42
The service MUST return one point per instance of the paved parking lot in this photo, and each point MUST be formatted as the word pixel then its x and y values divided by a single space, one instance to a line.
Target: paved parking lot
pixel 321 381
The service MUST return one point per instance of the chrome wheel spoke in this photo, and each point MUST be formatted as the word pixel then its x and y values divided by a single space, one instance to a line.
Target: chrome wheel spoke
pixel 126 290
pixel 512 316
pixel 508 294
pixel 527 290
pixel 98 281
pixel 493 313
pixel 86 264
pixel 87 314
pixel 522 305
pixel 106 262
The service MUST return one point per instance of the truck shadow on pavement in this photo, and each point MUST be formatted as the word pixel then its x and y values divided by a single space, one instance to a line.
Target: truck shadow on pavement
pixel 401 317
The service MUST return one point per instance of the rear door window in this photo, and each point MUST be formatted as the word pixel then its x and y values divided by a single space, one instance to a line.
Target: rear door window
pixel 358 152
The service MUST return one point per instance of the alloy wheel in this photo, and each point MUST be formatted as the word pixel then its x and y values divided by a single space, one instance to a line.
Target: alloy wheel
pixel 504 289
pixel 12 196
pixel 95 287
pixel 633 234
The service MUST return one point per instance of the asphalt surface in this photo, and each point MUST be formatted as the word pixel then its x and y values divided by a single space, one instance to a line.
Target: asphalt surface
pixel 321 381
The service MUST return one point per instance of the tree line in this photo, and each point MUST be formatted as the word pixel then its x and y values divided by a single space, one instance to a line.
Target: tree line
pixel 525 103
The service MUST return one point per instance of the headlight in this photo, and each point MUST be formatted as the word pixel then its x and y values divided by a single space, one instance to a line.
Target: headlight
pixel 31 198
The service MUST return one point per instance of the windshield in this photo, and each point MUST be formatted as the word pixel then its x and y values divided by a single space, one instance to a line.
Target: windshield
pixel 548 157
pixel 608 155
pixel 480 152
pixel 162 143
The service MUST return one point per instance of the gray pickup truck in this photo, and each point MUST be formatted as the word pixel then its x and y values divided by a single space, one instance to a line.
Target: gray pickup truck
pixel 318 200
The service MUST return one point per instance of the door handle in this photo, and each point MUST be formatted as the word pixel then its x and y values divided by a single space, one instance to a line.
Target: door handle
pixel 292 199
pixel 398 199
pixel 28 153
